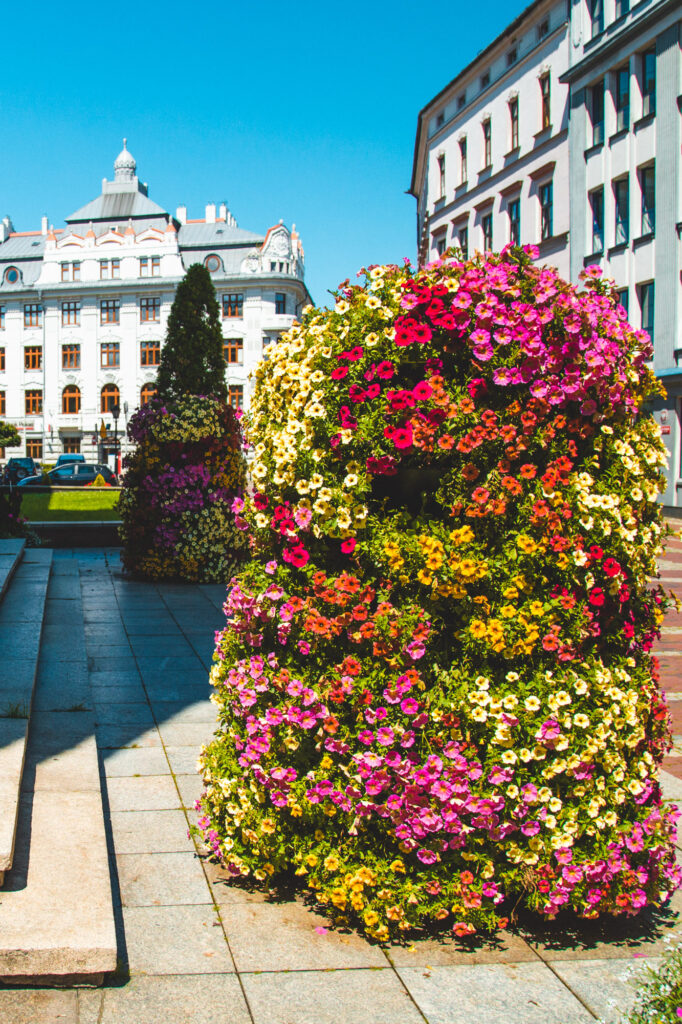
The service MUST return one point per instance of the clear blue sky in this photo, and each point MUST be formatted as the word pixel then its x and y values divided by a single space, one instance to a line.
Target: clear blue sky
pixel 305 112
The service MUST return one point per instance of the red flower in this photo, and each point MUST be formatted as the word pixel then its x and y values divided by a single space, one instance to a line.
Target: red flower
pixel 402 437
pixel 596 552
pixel 385 370
pixel 297 555
pixel 339 373
pixel 348 545
pixel 480 495
pixel 260 500
pixel 597 597
pixel 611 567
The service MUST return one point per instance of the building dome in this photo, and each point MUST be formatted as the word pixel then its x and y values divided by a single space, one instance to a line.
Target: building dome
pixel 124 165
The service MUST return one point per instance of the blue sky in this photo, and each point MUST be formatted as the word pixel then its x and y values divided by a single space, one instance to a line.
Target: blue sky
pixel 303 112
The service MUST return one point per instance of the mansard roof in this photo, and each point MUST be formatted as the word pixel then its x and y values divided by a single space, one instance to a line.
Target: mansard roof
pixel 199 235
pixel 115 206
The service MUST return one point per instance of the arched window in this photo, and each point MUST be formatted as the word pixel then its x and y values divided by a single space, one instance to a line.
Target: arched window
pixel 110 396
pixel 12 275
pixel 71 399
pixel 147 393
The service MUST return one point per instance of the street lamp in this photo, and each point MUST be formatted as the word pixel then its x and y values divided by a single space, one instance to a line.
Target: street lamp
pixel 116 412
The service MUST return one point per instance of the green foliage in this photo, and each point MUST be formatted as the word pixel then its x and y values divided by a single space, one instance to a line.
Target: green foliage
pixel 192 360
pixel 9 436
pixel 659 998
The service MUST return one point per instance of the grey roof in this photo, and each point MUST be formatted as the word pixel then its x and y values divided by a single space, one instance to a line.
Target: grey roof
pixel 232 258
pixel 117 206
pixel 216 236
pixel 18 247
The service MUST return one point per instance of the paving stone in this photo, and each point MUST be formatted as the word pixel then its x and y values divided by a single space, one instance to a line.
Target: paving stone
pixel 161 879
pixel 146 793
pixel 111 696
pixel 506 947
pixel 175 940
pixel 164 646
pixel 140 761
pixel 183 760
pixel 89 1005
pixel 608 987
pixel 61 692
pixel 190 787
pixel 493 994
pixel 224 888
pixel 126 736
pixel 150 832
pixel 290 937
pixel 329 997
pixel 187 735
pixel 137 713
pixel 38 1006
pixel 63 651
pixel 171 691
pixel 182 669
pixel 181 712
pixel 182 999
pixel 103 663
pixel 115 678
pixel 163 625
pixel 62 755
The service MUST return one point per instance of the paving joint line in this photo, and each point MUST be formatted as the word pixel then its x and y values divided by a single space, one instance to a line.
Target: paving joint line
pixel 563 982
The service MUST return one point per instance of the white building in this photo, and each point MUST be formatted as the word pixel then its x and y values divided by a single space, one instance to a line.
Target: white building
pixel 83 309
pixel 491 153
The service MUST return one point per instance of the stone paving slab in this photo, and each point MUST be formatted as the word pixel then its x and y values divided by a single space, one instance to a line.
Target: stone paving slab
pixel 607 987
pixel 177 999
pixel 161 879
pixel 175 940
pixel 150 832
pixel 134 761
pixel 38 1006
pixel 333 997
pixel 146 793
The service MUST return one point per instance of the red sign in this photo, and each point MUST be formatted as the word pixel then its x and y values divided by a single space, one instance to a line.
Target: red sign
pixel 665 430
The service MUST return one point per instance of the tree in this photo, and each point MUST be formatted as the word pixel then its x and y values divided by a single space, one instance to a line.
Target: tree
pixel 9 436
pixel 192 360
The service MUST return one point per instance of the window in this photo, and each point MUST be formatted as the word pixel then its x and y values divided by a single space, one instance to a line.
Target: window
pixel 33 315
pixel 213 263
pixel 110 311
pixel 441 177
pixel 440 120
pixel 233 350
pixel 150 310
pixel 110 354
pixel 71 271
pixel 543 28
pixel 109 269
pixel 596 8
pixel 71 445
pixel 233 304
pixel 148 392
pixel 280 302
pixel 647 180
pixel 622 8
pixel 440 242
pixel 485 80
pixel 487 143
pixel 12 275
pixel 150 353
pixel 621 195
pixel 622 98
pixel 2 360
pixel 487 226
pixel 33 401
pixel 3 403
pixel 597 113
pixel 71 357
pixel 646 305
pixel 33 357
pixel 235 395
pixel 71 399
pixel 514 121
pixel 648 83
pixel 546 212
pixel 3 311
pixel 624 299
pixel 463 173
pixel 514 211
pixel 34 448
pixel 461 101
pixel 597 211
pixel 65 271
pixel 71 314
pixel 110 396
pixel 150 266
pixel 511 56
pixel 545 103
pixel 463 242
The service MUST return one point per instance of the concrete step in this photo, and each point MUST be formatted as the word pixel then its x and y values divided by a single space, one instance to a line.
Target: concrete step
pixel 21 620
pixel 11 552
pixel 57 922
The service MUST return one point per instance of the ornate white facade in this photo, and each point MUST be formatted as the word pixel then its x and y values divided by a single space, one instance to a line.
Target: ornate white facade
pixel 83 309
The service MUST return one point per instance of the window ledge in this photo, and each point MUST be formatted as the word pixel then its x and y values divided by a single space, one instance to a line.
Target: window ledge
pixel 552 243
pixel 621 247
pixel 461 188
pixel 644 121
pixel 593 257
pixel 648 237
pixel 513 152
pixel 618 135
pixel 543 134
pixel 439 203
pixel 591 150
pixel 485 172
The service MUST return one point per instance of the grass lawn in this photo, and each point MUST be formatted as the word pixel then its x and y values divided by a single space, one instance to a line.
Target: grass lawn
pixel 69 505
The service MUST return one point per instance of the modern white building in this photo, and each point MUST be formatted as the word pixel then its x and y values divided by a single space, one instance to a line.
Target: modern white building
pixel 625 76
pixel 83 309
pixel 491 152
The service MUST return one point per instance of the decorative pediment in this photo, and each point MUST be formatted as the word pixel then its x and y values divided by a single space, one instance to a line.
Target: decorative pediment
pixel 111 237
pixel 277 243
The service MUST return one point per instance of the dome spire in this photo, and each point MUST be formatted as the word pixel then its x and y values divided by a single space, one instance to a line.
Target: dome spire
pixel 124 165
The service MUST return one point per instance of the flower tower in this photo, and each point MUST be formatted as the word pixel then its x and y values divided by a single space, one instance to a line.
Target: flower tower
pixel 435 683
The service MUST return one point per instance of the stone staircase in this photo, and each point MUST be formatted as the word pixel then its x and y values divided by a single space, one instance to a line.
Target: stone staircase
pixel 56 910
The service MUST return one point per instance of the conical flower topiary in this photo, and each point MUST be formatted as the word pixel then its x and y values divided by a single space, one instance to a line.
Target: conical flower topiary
pixel 437 697
pixel 187 469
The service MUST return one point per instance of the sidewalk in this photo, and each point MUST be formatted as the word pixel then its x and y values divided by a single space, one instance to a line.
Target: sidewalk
pixel 198 951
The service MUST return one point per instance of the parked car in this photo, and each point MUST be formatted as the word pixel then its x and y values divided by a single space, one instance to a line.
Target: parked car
pixel 72 474
pixel 18 468
pixel 69 457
